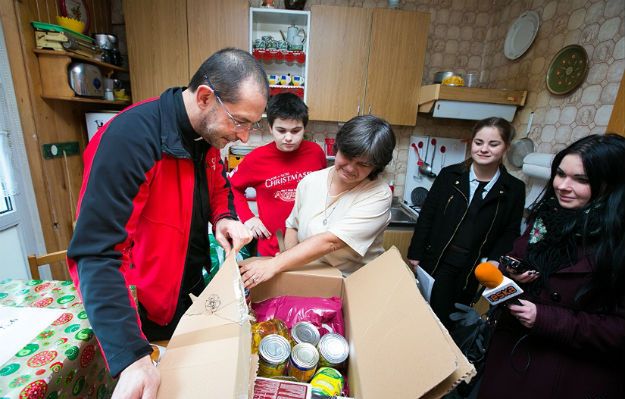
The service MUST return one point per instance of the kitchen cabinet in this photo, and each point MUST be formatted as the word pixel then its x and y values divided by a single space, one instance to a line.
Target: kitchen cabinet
pixel 399 237
pixel 366 61
pixel 169 39
pixel 53 70
pixel 158 52
pixel 617 119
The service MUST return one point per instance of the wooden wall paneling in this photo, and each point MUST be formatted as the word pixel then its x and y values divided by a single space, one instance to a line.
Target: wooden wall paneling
pixel 214 25
pixel 156 36
pixel 617 118
pixel 396 57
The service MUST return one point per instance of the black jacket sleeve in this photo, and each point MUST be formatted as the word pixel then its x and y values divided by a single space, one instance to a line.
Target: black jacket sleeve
pixel 127 151
pixel 512 220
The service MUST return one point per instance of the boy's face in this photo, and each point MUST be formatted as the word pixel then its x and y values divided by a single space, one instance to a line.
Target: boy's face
pixel 288 134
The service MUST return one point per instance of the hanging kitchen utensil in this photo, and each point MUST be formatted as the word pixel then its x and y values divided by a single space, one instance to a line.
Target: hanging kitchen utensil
pixel 425 168
pixel 419 160
pixel 520 148
pixel 418 196
pixel 443 151
pixel 432 174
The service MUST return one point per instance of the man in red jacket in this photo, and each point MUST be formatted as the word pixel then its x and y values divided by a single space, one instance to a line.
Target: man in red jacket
pixel 153 182
pixel 275 169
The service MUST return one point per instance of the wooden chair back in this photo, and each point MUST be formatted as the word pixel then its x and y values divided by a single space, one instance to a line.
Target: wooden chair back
pixel 36 261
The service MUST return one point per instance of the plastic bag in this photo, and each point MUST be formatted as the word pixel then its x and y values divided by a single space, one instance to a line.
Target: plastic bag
pixel 325 313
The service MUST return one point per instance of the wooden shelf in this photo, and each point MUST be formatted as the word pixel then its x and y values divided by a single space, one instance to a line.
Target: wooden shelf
pixel 87 100
pixel 430 93
pixel 75 56
pixel 53 70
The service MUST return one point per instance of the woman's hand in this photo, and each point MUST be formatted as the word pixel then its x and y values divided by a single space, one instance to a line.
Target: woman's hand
pixel 257 228
pixel 258 271
pixel 525 277
pixel 525 313
pixel 414 264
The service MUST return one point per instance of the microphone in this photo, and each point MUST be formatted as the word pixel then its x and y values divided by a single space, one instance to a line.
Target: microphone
pixel 499 288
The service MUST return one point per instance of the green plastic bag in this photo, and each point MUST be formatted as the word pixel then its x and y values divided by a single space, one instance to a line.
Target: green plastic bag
pixel 218 256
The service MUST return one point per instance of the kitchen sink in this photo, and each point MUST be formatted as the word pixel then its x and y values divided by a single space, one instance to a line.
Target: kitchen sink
pixel 401 217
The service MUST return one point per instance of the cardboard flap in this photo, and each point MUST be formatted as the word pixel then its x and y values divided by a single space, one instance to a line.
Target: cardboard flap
pixel 321 281
pixel 209 352
pixel 398 349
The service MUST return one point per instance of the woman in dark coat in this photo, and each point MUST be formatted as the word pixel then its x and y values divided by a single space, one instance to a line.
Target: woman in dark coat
pixel 567 339
pixel 472 211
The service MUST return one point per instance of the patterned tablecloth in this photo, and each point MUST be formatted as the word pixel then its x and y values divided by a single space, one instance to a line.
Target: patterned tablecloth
pixel 64 360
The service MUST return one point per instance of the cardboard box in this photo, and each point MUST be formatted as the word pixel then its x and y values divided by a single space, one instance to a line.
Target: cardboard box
pixel 398 348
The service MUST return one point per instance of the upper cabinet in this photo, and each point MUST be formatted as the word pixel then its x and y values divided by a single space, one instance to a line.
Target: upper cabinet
pixel 279 40
pixel 339 49
pixel 213 25
pixel 169 39
pixel 156 36
pixel 366 61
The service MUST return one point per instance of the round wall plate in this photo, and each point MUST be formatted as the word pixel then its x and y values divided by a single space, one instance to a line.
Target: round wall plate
pixel 521 34
pixel 567 69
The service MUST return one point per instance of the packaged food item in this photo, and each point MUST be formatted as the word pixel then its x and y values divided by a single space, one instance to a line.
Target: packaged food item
pixel 454 80
pixel 325 313
pixel 303 361
pixel 305 332
pixel 273 352
pixel 327 382
pixel 333 350
pixel 273 326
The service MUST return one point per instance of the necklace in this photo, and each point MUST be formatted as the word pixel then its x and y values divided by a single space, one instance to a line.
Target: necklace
pixel 331 199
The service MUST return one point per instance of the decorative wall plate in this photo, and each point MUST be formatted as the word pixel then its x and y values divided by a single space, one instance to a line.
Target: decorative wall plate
pixel 567 69
pixel 521 35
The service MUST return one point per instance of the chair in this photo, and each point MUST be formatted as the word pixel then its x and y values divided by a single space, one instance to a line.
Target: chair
pixel 36 261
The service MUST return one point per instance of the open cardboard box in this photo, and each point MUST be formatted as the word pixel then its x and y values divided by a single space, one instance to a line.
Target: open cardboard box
pixel 398 348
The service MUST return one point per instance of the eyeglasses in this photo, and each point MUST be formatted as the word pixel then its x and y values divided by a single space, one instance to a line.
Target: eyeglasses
pixel 238 125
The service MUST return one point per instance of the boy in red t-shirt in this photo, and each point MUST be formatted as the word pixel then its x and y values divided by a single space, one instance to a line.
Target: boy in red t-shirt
pixel 275 169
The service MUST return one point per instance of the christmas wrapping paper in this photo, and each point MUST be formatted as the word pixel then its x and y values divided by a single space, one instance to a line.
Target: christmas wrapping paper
pixel 63 360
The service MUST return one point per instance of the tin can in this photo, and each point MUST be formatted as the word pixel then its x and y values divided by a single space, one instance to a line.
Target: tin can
pixel 274 351
pixel 327 382
pixel 303 361
pixel 305 332
pixel 333 350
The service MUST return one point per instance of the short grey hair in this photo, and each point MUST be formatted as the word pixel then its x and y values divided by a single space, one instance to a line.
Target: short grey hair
pixel 226 70
pixel 369 137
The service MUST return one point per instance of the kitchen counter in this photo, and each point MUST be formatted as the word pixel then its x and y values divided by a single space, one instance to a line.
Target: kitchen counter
pixel 400 217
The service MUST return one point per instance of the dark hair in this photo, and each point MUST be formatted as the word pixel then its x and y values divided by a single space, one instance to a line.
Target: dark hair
pixel 369 137
pixel 226 70
pixel 602 157
pixel 286 106
pixel 506 131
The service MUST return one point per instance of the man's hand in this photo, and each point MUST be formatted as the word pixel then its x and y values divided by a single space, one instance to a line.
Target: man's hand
pixel 229 231
pixel 257 228
pixel 140 380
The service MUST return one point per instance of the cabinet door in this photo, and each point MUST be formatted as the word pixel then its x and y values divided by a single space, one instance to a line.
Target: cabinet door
pixel 397 52
pixel 214 25
pixel 339 47
pixel 156 34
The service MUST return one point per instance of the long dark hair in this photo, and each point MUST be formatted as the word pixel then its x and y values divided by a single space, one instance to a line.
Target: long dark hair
pixel 602 226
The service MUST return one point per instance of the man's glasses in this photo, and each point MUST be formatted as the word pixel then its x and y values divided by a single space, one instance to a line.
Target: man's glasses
pixel 238 125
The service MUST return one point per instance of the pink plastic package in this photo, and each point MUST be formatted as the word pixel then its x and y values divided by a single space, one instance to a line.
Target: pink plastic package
pixel 325 313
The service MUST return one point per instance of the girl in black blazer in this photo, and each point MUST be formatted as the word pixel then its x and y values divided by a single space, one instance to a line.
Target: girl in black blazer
pixel 472 212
